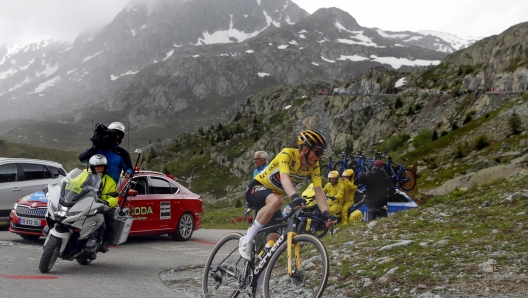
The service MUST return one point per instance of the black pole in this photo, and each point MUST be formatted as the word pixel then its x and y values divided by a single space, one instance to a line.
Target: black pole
pixel 129 183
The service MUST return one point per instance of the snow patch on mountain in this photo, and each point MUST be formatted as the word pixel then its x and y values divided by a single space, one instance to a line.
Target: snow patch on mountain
pixel 90 57
pixel 455 41
pixel 399 62
pixel 227 36
pixel 352 58
pixel 48 83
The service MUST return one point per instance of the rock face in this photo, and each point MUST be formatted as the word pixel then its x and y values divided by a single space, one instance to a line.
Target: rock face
pixel 498 62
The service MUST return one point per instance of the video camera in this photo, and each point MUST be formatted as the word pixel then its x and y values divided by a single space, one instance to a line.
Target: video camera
pixel 103 138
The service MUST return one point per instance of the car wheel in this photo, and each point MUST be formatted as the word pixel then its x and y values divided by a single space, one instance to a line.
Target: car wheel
pixel 29 237
pixel 184 228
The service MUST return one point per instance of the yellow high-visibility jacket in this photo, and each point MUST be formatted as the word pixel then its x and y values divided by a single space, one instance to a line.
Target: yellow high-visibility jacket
pixel 350 190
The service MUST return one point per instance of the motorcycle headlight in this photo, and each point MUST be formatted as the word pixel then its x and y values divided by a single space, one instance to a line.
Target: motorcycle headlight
pixel 74 213
pixel 15 206
pixel 62 212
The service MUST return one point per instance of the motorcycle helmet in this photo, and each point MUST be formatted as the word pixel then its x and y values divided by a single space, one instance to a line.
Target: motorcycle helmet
pixel 119 129
pixel 348 173
pixel 98 160
pixel 311 139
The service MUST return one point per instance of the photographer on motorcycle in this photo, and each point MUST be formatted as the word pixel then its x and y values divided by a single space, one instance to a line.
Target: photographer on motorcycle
pixel 106 141
pixel 98 166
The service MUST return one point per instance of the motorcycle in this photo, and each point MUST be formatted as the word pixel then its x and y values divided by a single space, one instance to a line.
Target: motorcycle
pixel 75 222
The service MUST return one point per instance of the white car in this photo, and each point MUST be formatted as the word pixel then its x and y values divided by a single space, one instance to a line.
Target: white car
pixel 20 177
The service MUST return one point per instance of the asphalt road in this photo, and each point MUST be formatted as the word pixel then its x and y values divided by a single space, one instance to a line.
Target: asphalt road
pixel 130 270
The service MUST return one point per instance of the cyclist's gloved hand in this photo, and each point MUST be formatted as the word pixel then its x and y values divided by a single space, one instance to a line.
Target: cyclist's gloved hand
pixel 296 201
pixel 328 216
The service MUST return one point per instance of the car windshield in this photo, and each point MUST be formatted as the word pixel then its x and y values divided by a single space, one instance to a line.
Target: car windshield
pixel 77 184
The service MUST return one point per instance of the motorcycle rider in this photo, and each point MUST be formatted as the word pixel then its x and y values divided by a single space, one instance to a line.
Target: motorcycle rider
pixel 118 157
pixel 98 166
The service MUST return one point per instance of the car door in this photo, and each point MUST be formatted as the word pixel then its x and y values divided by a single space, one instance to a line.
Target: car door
pixel 138 204
pixel 161 194
pixel 33 177
pixel 9 188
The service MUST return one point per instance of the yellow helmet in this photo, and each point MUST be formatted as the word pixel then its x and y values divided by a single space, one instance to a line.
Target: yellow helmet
pixel 312 139
pixel 348 173
pixel 333 174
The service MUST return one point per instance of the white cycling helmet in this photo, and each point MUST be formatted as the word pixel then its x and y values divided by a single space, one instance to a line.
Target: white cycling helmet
pixel 118 128
pixel 98 160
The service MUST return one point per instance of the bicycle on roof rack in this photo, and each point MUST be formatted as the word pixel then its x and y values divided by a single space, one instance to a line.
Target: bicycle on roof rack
pixel 303 270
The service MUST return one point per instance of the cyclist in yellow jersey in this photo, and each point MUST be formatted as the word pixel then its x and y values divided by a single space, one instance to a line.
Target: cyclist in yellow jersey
pixel 283 173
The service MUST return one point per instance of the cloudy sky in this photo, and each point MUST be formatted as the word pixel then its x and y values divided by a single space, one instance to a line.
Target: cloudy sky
pixel 25 21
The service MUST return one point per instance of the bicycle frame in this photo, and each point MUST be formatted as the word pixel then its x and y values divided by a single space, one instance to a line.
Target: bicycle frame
pixel 290 232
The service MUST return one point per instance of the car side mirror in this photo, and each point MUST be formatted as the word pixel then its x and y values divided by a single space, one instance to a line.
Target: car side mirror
pixel 132 192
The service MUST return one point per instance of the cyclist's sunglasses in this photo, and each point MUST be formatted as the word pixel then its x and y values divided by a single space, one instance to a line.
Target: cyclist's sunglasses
pixel 319 153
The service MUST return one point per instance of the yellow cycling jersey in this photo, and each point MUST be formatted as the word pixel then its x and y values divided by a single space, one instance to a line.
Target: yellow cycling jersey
pixel 287 161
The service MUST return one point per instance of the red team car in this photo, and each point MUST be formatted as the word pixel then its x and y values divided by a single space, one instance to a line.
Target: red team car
pixel 158 204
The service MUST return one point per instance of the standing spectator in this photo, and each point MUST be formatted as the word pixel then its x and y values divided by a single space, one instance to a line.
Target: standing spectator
pixel 350 192
pixel 379 186
pixel 106 142
pixel 260 159
pixel 334 192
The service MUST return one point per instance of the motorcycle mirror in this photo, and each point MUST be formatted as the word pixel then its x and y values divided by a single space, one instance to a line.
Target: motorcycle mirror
pixel 138 151
pixel 132 192
pixel 45 189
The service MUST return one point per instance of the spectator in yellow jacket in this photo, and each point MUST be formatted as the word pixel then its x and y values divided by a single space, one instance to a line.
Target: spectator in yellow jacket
pixel 334 192
pixel 350 192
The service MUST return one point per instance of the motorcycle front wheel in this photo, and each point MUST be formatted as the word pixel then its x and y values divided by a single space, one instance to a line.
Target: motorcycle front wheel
pixel 50 254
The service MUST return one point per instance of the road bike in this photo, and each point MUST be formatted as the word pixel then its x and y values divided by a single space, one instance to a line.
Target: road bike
pixel 311 220
pixel 402 177
pixel 302 272
pixel 344 164
pixel 325 169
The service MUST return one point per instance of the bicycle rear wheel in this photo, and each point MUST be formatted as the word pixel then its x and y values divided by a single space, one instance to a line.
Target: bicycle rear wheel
pixel 307 281
pixel 224 263
pixel 337 167
pixel 324 171
pixel 407 180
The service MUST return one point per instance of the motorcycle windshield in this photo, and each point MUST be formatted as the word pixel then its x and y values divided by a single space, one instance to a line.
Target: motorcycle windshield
pixel 77 184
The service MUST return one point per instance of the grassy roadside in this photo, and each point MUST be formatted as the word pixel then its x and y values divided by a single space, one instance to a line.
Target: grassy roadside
pixel 451 237
pixel 4 225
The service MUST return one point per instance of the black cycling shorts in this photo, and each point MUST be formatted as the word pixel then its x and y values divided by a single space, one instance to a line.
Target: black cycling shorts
pixel 256 195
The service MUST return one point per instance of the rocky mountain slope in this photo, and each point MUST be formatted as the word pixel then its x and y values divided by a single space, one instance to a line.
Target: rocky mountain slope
pixel 473 130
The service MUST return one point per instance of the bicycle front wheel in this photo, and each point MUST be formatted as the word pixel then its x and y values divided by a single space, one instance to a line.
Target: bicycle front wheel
pixel 407 180
pixel 307 281
pixel 219 277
